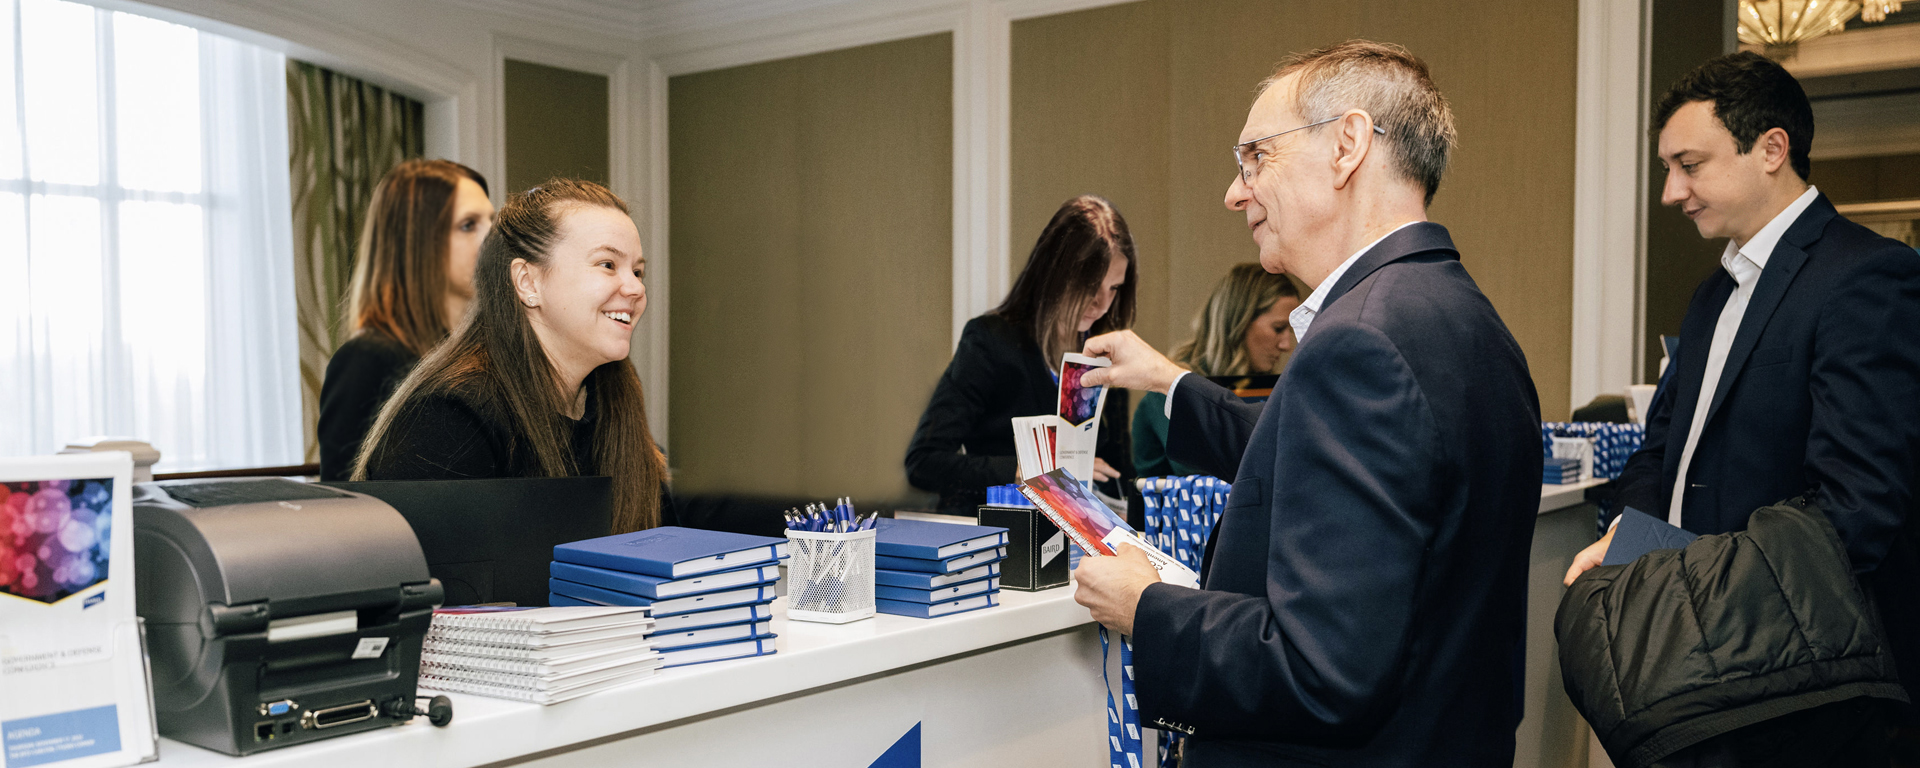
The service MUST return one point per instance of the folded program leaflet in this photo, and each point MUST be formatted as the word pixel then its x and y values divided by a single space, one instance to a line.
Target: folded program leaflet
pixel 1094 526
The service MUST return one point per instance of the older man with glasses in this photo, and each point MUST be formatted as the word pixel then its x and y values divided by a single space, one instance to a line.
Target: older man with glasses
pixel 1364 601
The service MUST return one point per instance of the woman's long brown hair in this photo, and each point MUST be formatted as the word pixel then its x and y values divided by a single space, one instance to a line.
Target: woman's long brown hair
pixel 497 357
pixel 1065 270
pixel 399 285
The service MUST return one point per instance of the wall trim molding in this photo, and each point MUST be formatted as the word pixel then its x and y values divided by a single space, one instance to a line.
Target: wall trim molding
pixel 619 103
pixel 982 143
pixel 1610 151
pixel 653 334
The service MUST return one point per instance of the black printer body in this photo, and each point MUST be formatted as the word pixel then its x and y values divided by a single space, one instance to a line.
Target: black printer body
pixel 277 612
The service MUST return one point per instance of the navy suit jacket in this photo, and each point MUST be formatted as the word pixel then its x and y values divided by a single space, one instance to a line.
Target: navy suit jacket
pixel 1820 395
pixel 1365 592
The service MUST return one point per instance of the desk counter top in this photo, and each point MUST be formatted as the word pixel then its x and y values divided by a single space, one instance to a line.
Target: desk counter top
pixel 1554 498
pixel 810 656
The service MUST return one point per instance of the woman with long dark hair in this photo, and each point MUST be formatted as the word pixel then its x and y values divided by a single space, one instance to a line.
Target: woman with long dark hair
pixel 412 280
pixel 537 383
pixel 1078 281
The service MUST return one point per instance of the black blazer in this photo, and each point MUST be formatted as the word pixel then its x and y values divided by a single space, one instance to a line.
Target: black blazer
pixel 362 373
pixel 1365 591
pixel 997 373
pixel 1820 394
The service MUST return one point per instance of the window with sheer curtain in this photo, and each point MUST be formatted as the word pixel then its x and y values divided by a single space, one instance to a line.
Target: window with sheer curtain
pixel 145 239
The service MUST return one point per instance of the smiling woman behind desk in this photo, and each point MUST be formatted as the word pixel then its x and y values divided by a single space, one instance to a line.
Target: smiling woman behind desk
pixel 537 383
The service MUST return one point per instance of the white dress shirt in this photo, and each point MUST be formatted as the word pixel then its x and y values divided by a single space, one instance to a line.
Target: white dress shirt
pixel 1302 316
pixel 1744 263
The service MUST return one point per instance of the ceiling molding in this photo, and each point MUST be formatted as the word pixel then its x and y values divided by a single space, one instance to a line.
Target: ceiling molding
pixel 601 17
pixel 682 26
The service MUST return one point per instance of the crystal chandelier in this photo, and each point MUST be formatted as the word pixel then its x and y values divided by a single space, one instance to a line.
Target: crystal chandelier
pixel 1776 23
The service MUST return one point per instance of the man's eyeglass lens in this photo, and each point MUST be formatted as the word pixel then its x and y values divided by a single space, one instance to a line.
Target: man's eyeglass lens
pixel 1243 152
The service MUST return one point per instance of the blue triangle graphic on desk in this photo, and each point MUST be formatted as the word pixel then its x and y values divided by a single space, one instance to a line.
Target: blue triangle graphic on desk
pixel 904 753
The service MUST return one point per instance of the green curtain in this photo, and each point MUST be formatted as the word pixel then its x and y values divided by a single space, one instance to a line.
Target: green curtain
pixel 344 134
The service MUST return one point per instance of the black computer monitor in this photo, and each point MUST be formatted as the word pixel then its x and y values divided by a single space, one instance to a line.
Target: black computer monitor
pixel 490 541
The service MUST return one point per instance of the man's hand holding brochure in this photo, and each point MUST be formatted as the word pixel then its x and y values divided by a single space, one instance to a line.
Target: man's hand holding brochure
pixel 1119 564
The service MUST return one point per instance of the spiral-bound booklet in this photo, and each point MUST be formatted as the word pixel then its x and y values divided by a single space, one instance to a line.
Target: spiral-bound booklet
pixel 538 621
pixel 548 667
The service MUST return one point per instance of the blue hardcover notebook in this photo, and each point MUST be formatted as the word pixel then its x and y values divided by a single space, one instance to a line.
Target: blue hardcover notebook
pixel 701 654
pixel 936 610
pixel 917 580
pixel 659 588
pixel 754 594
pixel 739 614
pixel 710 635
pixel 1639 533
pixel 938 594
pixel 928 540
pixel 954 565
pixel 672 552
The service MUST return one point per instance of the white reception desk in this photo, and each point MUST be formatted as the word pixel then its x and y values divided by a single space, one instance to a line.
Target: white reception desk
pixel 1018 684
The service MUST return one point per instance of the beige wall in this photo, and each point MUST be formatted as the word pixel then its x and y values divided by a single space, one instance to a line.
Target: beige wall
pixel 812 237
pixel 1083 85
pixel 556 124
pixel 1141 101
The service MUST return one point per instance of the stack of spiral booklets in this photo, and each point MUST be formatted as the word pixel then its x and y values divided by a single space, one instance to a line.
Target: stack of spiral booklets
pixel 541 655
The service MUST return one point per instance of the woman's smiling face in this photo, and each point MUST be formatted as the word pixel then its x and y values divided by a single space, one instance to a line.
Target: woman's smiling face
pixel 590 291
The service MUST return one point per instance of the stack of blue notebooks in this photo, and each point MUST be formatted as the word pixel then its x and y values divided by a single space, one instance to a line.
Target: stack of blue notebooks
pixel 708 591
pixel 927 569
pixel 1557 471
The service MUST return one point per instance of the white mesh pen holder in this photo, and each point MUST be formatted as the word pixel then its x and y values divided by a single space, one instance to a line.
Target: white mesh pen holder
pixel 829 576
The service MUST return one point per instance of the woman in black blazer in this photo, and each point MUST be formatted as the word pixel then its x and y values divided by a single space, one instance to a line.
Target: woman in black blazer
pixel 1078 281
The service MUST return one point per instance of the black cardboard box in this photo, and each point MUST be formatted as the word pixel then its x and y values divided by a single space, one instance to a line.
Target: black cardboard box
pixel 1036 549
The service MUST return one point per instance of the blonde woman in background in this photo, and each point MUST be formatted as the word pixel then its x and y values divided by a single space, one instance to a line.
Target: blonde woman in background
pixel 1242 331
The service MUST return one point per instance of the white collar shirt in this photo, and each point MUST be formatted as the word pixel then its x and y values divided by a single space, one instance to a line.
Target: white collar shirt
pixel 1302 316
pixel 1744 263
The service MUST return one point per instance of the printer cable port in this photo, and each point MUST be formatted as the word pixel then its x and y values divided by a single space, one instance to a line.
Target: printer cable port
pixel 329 717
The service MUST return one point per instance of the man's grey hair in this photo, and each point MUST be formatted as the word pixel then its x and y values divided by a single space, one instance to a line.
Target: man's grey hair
pixel 1387 82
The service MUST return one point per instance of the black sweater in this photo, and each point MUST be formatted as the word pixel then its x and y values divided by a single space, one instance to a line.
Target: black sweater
pixel 360 376
pixel 459 434
pixel 997 373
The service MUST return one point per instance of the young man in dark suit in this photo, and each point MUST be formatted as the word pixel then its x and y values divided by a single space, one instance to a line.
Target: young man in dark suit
pixel 1364 600
pixel 1799 363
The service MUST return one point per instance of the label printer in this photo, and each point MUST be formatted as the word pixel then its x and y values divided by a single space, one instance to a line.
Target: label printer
pixel 278 612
